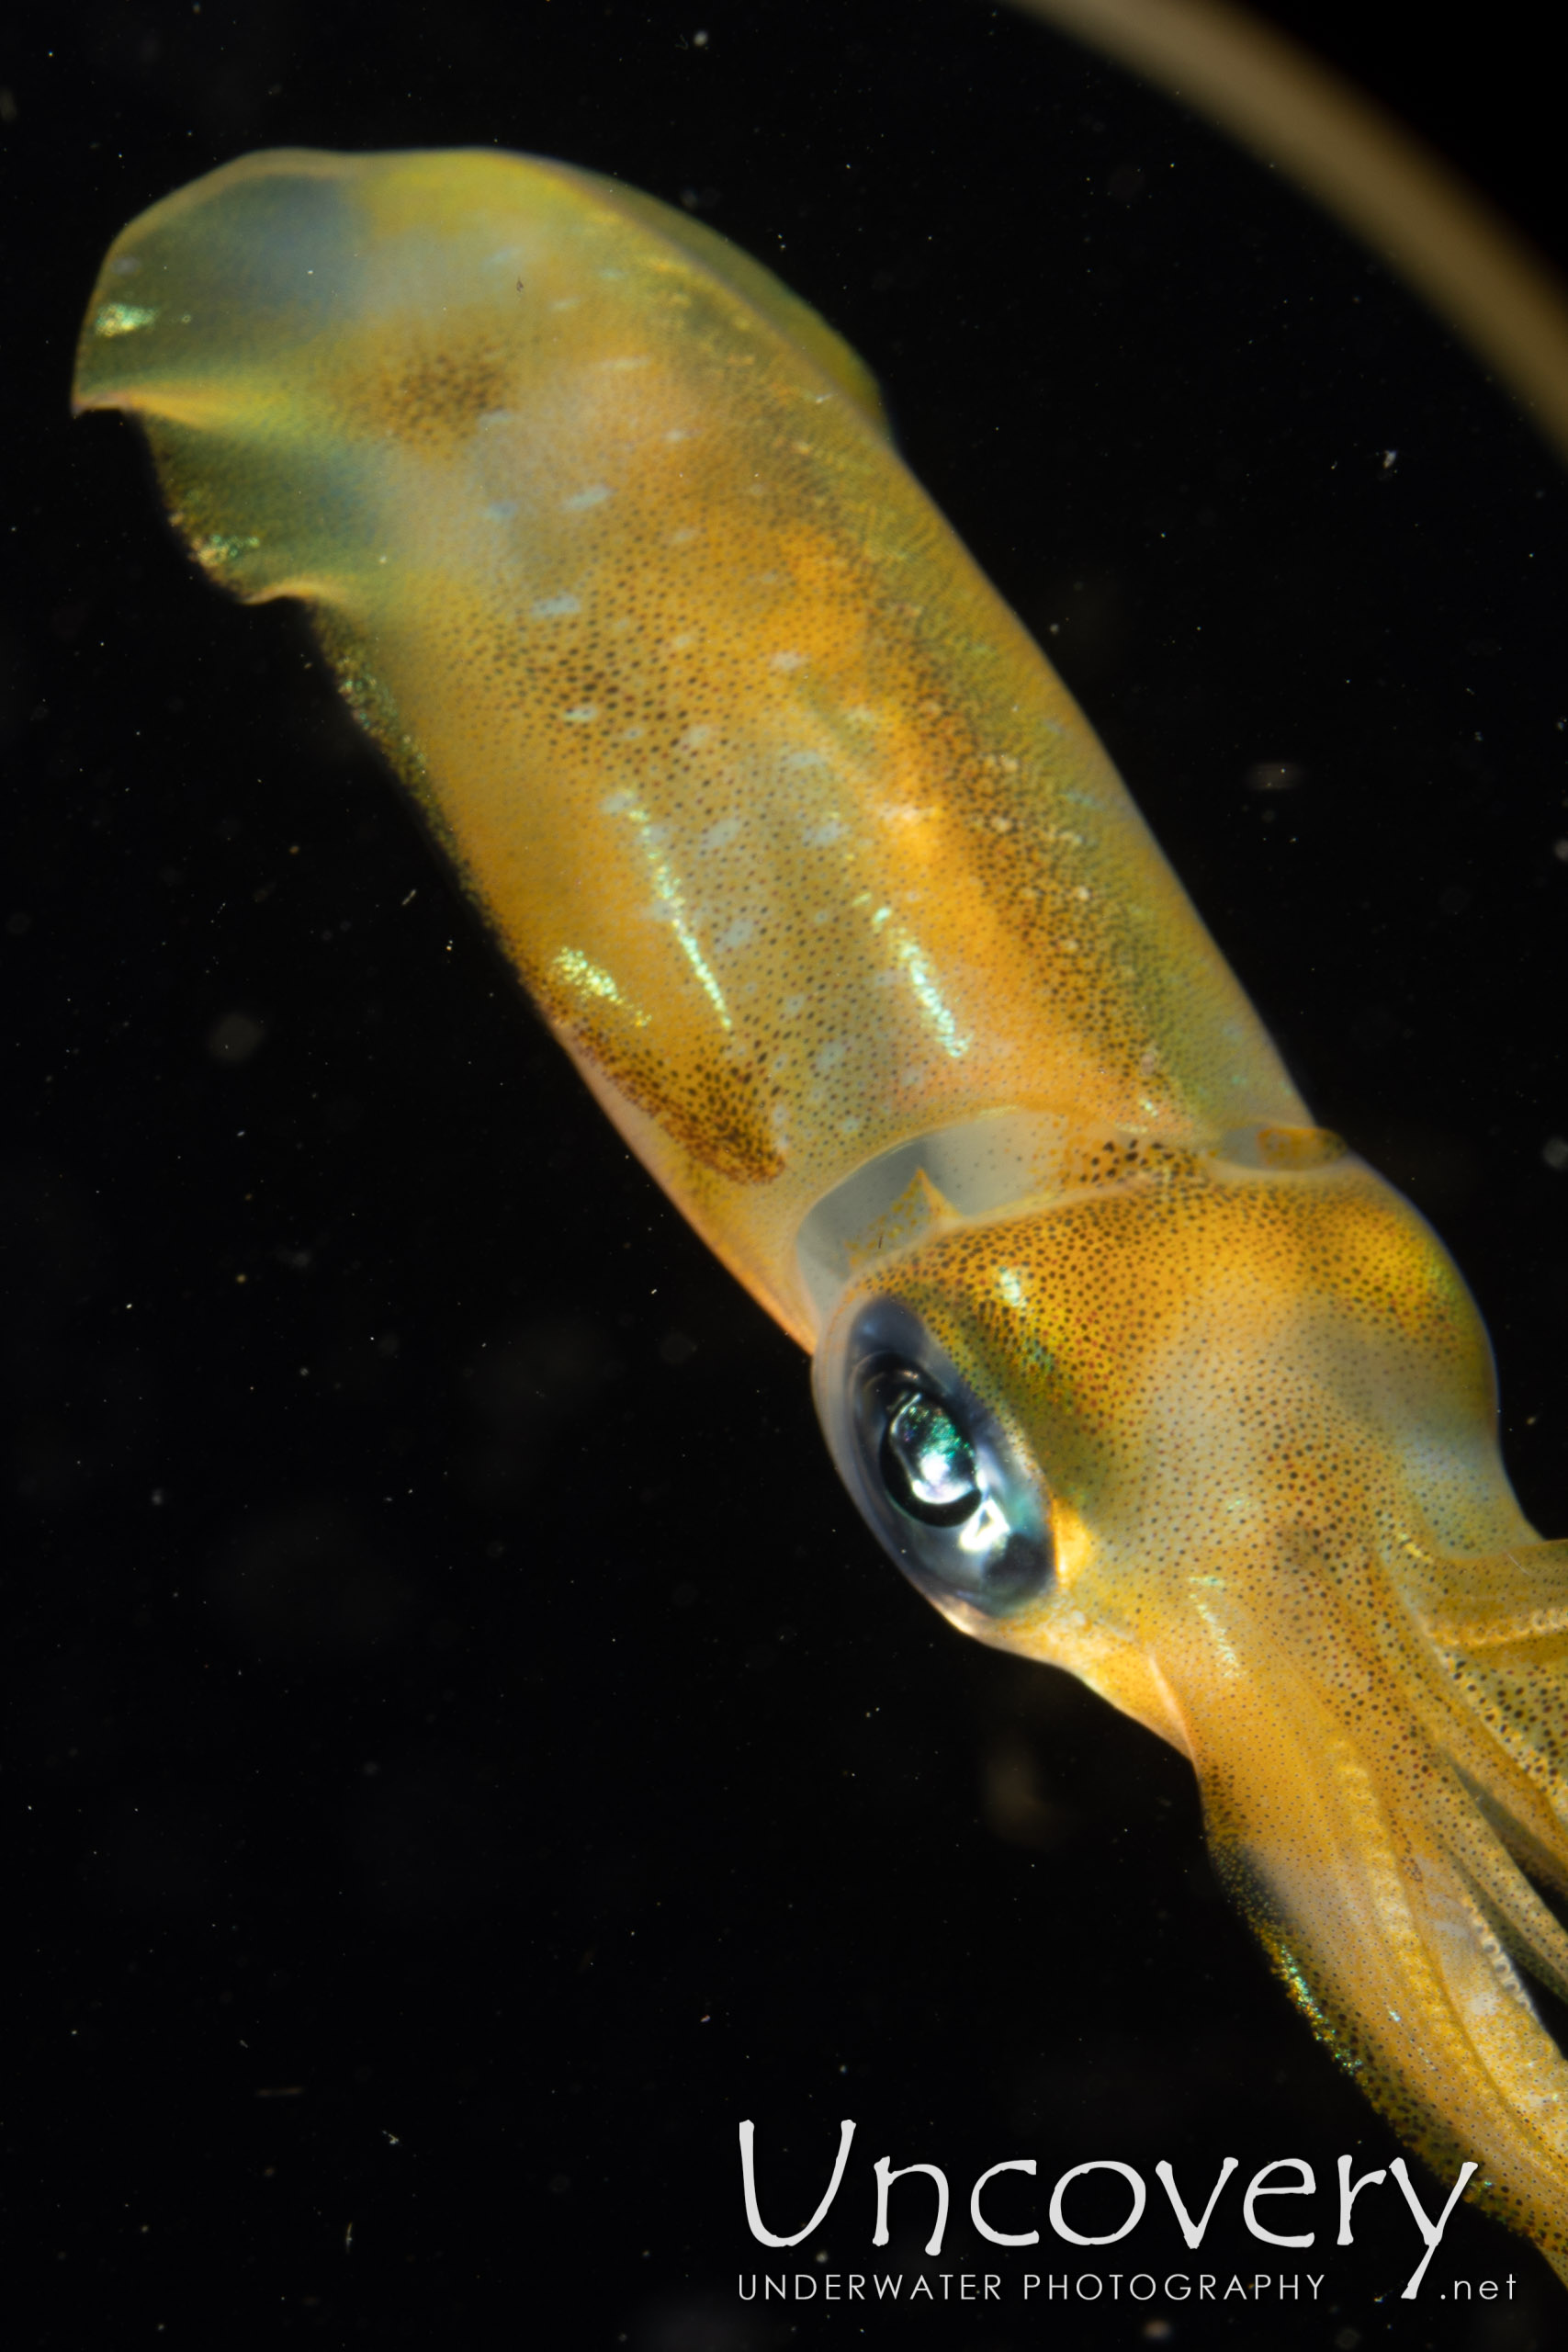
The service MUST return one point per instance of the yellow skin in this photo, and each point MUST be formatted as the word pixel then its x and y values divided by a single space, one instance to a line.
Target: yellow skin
pixel 818 873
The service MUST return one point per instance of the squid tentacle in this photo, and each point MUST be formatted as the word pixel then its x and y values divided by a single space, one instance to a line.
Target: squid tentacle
pixel 1367 1816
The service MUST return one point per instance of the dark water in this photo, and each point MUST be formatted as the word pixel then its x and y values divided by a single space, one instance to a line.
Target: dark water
pixel 461 1753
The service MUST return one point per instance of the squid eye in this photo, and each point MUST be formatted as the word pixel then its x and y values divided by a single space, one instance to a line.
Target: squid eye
pixel 932 1470
pixel 927 1464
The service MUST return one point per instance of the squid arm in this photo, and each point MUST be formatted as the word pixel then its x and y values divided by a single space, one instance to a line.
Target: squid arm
pixel 816 869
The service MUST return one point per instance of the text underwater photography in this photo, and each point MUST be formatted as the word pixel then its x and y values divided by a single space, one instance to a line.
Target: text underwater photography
pixel 498 1852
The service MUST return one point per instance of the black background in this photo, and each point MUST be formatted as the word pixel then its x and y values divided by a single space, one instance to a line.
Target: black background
pixel 461 1754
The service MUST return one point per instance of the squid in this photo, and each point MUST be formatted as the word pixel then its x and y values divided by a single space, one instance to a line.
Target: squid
pixel 817 872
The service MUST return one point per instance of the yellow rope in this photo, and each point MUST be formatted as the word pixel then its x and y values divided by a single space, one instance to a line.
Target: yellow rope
pixel 1381 181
